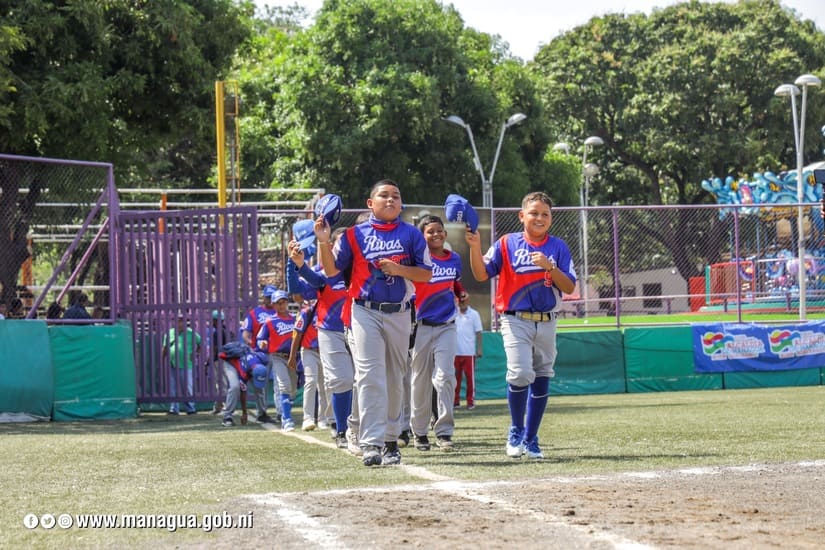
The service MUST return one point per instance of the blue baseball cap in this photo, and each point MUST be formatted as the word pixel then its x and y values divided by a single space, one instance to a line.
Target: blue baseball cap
pixel 304 233
pixel 279 295
pixel 269 290
pixel 259 376
pixel 458 209
pixel 329 206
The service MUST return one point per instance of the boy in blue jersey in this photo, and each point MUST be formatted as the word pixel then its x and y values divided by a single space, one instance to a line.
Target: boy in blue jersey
pixel 433 354
pixel 534 269
pixel 386 255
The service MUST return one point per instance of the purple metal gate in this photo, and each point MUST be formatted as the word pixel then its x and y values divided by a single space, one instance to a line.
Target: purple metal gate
pixel 198 264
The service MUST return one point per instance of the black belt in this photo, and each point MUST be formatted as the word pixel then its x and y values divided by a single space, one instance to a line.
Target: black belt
pixel 432 324
pixel 384 307
pixel 536 316
pixel 280 354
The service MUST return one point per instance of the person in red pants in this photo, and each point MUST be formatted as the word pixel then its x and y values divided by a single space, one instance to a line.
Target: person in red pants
pixel 468 349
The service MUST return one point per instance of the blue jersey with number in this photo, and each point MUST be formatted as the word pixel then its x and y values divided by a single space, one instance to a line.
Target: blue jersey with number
pixel 523 286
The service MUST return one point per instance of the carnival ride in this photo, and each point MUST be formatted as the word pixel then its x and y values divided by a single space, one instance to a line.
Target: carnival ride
pixel 769 277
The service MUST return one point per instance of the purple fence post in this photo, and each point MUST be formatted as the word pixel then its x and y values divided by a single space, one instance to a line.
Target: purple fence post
pixel 493 315
pixel 738 263
pixel 617 284
pixel 114 247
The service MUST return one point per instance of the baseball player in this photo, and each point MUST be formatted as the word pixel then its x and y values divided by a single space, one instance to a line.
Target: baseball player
pixel 386 255
pixel 305 341
pixel 336 361
pixel 250 326
pixel 275 338
pixel 433 354
pixel 534 269
pixel 241 372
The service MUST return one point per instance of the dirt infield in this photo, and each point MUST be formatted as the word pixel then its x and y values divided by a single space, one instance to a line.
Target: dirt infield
pixel 755 506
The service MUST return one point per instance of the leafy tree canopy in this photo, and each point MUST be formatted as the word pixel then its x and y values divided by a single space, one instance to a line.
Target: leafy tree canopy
pixel 683 94
pixel 118 81
pixel 361 94
pixel 131 83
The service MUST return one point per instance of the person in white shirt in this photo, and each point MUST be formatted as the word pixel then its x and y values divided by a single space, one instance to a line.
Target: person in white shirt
pixel 468 349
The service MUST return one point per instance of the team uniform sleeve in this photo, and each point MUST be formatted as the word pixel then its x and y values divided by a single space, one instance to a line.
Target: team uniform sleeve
pixel 565 261
pixel 246 324
pixel 311 277
pixel 493 259
pixel 421 253
pixel 342 252
pixel 262 338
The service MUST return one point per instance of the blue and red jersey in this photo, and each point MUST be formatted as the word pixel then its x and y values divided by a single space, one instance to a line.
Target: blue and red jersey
pixel 256 317
pixel 275 335
pixel 435 300
pixel 309 339
pixel 331 293
pixel 244 367
pixel 363 245
pixel 523 286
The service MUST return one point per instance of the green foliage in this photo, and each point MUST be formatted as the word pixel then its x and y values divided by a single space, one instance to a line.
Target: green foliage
pixel 561 178
pixel 360 96
pixel 679 96
pixel 131 83
pixel 112 81
pixel 683 94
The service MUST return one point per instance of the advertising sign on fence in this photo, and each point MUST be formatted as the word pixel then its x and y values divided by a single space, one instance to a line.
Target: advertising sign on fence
pixel 723 347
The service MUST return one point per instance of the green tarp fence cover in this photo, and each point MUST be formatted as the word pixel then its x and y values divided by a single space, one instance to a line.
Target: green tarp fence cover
pixel 26 383
pixel 94 372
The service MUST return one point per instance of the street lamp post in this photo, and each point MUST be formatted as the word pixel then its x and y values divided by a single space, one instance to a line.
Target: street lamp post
pixel 792 90
pixel 588 171
pixel 486 183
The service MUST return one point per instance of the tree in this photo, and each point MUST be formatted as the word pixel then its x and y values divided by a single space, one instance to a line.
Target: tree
pixel 259 68
pixel 119 81
pixel 360 95
pixel 679 96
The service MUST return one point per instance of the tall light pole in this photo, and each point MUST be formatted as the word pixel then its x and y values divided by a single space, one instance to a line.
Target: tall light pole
pixel 588 171
pixel 486 183
pixel 792 90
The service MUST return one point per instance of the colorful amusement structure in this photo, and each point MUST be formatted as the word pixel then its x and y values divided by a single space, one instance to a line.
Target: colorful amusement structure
pixel 774 274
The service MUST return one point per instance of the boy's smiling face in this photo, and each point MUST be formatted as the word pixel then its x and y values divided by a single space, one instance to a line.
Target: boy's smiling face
pixel 537 219
pixel 385 203
pixel 435 235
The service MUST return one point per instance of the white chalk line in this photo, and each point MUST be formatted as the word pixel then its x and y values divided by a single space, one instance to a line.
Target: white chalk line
pixel 309 528
pixel 313 531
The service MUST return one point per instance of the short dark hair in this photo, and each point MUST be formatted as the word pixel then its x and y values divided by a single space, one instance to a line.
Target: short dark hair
pixel 427 220
pixel 385 181
pixel 540 196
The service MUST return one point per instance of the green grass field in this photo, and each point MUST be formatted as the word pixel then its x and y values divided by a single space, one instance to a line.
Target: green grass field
pixel 157 464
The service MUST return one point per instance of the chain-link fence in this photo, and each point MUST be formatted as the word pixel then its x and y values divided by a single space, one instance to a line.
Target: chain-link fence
pixel 51 218
pixel 637 260
pixel 646 260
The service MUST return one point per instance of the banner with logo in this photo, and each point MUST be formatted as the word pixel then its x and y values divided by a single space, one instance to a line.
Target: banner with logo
pixel 749 347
